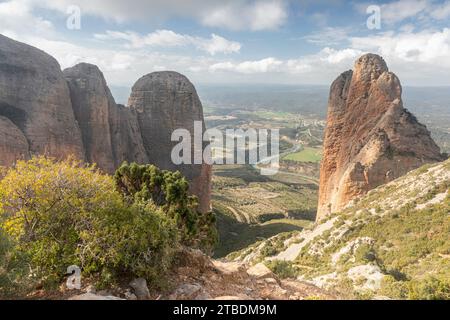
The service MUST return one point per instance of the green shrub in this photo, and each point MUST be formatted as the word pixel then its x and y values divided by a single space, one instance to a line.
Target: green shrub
pixel 13 269
pixel 282 269
pixel 170 191
pixel 365 253
pixel 394 289
pixel 430 288
pixel 57 214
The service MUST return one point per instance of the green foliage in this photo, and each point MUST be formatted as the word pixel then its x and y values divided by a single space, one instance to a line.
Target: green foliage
pixel 394 289
pixel 430 288
pixel 282 269
pixel 169 191
pixel 57 214
pixel 13 268
pixel 365 254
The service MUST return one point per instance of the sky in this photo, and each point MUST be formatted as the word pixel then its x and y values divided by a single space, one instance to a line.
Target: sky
pixel 294 42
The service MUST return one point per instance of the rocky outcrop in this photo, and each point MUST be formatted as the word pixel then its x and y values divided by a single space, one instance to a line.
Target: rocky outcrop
pixel 13 143
pixel 35 97
pixel 46 111
pixel 370 139
pixel 164 102
pixel 110 132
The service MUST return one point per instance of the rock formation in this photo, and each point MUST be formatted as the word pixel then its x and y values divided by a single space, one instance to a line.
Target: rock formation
pixel 165 101
pixel 34 96
pixel 110 132
pixel 370 138
pixel 46 111
pixel 13 143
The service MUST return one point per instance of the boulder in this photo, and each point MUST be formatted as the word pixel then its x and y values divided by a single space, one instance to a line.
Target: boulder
pixel 140 288
pixel 260 271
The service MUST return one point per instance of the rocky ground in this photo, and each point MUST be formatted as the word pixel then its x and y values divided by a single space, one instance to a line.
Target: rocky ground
pixel 201 278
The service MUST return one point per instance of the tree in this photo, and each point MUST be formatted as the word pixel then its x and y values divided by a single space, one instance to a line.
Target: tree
pixel 170 191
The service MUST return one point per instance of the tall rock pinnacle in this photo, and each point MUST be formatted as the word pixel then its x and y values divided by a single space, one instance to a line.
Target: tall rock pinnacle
pixel 110 132
pixel 165 101
pixel 370 139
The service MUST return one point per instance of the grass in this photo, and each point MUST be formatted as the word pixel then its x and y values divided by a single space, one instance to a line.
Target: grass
pixel 308 154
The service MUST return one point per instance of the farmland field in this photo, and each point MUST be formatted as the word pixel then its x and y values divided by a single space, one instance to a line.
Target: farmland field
pixel 308 154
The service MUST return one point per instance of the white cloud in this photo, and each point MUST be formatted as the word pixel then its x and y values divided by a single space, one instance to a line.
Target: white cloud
pixel 432 47
pixel 235 15
pixel 162 38
pixel 167 38
pixel 217 44
pixel 248 67
pixel 403 9
pixel 420 58
pixel 256 16
pixel 334 56
pixel 417 57
pixel 326 59
pixel 16 18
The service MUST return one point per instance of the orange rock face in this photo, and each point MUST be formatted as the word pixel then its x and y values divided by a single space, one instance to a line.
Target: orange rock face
pixel 370 138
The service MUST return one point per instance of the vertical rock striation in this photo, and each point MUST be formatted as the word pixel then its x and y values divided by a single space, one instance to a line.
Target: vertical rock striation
pixel 370 138
pixel 110 132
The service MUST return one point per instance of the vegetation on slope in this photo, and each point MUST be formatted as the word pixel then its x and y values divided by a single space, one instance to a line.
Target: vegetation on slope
pixel 393 242
pixel 57 214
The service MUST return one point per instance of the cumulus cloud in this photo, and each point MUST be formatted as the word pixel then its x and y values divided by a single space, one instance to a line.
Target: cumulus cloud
pixel 432 47
pixel 248 67
pixel 419 58
pixel 168 38
pixel 16 18
pixel 325 59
